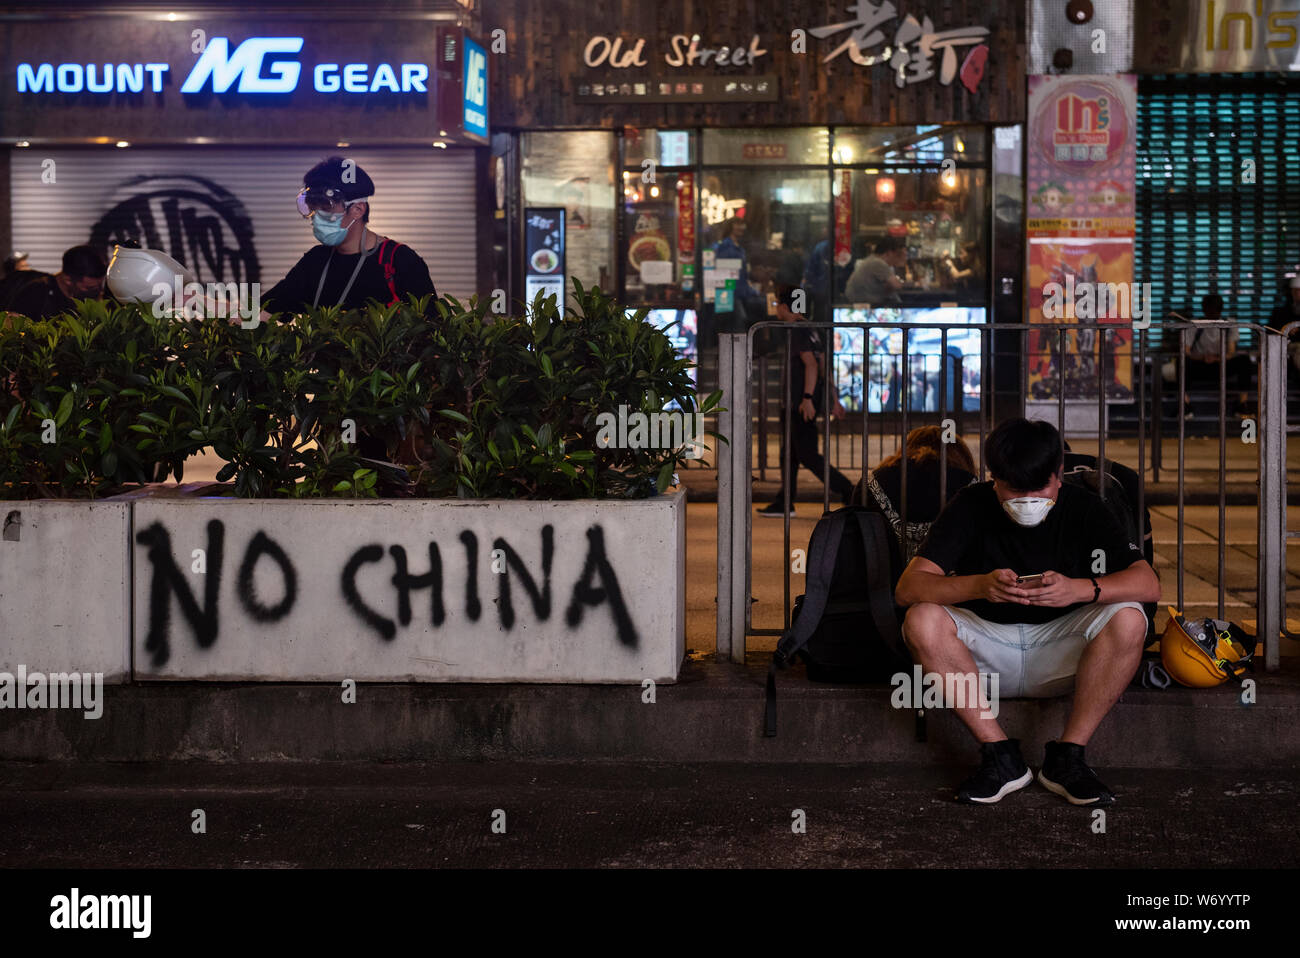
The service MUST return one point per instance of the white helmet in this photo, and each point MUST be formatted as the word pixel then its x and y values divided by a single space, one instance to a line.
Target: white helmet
pixel 133 273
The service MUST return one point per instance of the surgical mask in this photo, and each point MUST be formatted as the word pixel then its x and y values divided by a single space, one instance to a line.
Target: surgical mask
pixel 327 228
pixel 1029 511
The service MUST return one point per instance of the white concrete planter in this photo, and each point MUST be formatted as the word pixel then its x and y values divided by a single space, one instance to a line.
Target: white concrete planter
pixel 312 590
pixel 65 587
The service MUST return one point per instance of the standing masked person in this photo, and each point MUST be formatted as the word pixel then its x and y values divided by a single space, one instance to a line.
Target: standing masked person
pixel 352 264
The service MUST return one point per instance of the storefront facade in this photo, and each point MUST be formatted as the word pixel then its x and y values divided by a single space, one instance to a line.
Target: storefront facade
pixel 190 133
pixel 1212 195
pixel 642 136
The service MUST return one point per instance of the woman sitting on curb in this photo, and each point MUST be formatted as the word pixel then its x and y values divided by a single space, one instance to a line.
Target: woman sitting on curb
pixel 881 490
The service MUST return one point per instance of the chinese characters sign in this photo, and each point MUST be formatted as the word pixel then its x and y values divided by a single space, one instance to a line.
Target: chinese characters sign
pixel 911 51
pixel 686 230
pixel 706 89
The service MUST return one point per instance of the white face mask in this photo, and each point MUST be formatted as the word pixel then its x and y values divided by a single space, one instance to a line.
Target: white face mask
pixel 1029 511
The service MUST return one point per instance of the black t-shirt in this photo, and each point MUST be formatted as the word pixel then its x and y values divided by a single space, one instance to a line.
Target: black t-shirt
pixel 36 295
pixel 922 487
pixel 1283 316
pixel 974 535
pixel 296 291
pixel 804 340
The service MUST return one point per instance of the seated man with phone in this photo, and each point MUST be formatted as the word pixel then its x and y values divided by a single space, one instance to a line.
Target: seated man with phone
pixel 1035 581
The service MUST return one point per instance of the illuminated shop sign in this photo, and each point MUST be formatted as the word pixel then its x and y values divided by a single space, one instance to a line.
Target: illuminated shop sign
pixel 258 65
pixel 475 90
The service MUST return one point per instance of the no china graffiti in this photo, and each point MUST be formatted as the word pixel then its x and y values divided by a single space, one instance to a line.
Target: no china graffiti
pixel 595 585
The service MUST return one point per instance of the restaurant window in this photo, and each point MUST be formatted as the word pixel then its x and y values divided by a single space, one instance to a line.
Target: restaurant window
pixel 658 236
pixel 764 208
pixel 924 192
pixel 574 171
pixel 911 239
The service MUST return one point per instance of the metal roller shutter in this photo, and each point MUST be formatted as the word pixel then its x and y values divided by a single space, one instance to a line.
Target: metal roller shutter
pixel 229 214
pixel 1200 228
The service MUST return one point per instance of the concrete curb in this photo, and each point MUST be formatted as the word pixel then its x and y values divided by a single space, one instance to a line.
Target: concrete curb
pixel 714 714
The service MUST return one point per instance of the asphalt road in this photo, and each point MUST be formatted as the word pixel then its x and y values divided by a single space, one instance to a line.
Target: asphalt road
pixel 598 815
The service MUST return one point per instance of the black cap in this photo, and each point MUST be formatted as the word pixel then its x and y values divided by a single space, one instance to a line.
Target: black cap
pixel 327 177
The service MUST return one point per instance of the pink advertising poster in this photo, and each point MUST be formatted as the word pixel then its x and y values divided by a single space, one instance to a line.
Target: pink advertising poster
pixel 1080 225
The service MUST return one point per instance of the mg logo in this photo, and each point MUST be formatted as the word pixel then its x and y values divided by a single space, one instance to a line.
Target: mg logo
pixel 222 68
pixel 476 88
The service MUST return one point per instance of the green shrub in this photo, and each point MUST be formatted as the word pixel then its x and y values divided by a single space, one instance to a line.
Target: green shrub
pixel 479 405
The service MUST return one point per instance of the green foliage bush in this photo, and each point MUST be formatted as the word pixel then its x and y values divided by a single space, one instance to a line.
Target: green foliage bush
pixel 476 405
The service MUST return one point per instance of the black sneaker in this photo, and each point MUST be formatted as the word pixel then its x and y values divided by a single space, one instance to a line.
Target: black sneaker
pixel 1068 775
pixel 776 510
pixel 1001 772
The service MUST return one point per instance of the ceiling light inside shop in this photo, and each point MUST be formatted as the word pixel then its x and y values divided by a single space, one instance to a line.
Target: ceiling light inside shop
pixel 885 189
pixel 440 145
pixel 22 143
pixel 342 143
pixel 122 144
pixel 654 191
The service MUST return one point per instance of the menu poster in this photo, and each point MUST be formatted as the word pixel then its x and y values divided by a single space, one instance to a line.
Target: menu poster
pixel 843 220
pixel 544 252
pixel 686 229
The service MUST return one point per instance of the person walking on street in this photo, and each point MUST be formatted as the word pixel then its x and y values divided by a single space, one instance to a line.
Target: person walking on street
pixel 805 387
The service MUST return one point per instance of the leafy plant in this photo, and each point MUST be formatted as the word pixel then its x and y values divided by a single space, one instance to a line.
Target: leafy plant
pixel 472 404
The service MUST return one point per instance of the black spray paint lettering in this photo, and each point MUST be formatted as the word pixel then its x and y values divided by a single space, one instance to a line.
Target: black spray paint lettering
pixel 168 578
pixel 542 599
pixel 585 594
pixel 404 582
pixel 263 545
pixel 204 621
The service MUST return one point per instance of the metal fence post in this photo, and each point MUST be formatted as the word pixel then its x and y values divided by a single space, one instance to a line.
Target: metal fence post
pixel 734 494
pixel 1272 495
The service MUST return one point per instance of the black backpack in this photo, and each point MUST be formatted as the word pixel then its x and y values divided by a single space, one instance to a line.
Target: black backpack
pixel 1125 513
pixel 1116 498
pixel 845 627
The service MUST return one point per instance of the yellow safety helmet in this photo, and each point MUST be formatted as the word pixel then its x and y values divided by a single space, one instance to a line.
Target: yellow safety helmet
pixel 1203 653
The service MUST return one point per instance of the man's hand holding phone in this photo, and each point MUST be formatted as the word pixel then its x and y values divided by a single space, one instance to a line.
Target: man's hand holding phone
pixel 1055 590
pixel 1000 586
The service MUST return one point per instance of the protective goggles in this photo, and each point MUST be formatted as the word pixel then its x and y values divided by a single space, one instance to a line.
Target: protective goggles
pixel 314 200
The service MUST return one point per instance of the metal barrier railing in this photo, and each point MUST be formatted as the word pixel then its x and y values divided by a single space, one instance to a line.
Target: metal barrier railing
pixel 735 494
pixel 1288 359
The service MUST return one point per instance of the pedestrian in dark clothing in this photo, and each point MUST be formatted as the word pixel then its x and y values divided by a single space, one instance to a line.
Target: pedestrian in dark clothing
pixel 805 387
pixel 351 264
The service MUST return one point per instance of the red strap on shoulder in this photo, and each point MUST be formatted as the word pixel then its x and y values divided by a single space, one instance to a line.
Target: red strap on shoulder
pixel 390 271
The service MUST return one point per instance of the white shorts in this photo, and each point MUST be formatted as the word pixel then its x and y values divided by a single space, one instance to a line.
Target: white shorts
pixel 1034 661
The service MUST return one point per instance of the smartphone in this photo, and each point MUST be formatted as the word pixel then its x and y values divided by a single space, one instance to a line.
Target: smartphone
pixel 1030 581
